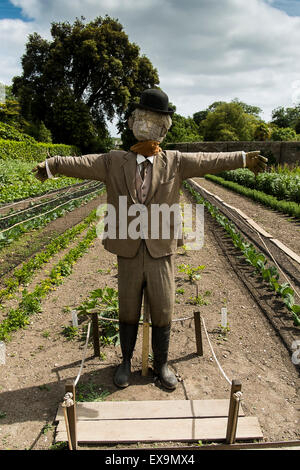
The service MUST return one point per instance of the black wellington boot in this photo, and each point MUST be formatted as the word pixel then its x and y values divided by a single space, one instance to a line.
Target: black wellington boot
pixel 128 335
pixel 160 347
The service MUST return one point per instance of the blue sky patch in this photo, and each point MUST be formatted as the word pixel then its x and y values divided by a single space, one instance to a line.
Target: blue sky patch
pixel 8 10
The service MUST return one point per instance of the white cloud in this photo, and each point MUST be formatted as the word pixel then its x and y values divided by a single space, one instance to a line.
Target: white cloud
pixel 204 50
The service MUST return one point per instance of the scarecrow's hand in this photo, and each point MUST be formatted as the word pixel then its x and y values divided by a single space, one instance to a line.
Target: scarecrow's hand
pixel 256 162
pixel 40 172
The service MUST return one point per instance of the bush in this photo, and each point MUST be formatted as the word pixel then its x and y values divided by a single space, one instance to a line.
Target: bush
pixel 280 185
pixel 284 134
pixel 33 151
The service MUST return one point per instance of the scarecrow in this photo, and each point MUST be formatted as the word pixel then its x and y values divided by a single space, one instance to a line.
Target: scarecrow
pixel 146 175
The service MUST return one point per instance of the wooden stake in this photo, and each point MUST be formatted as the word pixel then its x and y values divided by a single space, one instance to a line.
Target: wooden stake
pixel 198 333
pixel 71 415
pixel 96 338
pixel 146 328
pixel 234 404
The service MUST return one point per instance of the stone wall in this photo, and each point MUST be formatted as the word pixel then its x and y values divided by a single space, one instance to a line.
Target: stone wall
pixel 282 152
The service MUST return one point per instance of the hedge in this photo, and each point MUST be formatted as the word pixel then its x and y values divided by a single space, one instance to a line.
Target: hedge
pixel 283 185
pixel 287 207
pixel 33 152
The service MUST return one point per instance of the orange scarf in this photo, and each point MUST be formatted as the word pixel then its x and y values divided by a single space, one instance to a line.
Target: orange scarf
pixel 146 148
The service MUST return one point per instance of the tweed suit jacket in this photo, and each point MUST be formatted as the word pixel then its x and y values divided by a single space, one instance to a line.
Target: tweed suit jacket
pixel 117 169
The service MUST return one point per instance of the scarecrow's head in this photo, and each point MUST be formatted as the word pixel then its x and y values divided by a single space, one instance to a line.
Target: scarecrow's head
pixel 151 118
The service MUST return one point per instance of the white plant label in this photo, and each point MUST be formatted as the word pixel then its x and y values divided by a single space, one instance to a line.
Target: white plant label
pixel 2 353
pixel 224 317
pixel 74 318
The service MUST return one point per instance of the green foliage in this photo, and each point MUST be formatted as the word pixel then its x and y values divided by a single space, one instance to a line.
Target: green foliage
pixel 284 185
pixel 228 122
pixel 90 392
pixel 262 132
pixel 33 152
pixel 86 74
pixel 287 207
pixel 70 332
pixel 192 273
pixel 8 132
pixel 39 131
pixel 182 130
pixel 31 301
pixel 286 117
pixel 283 134
pixel 10 111
pixel 17 181
pixel 25 273
pixel 107 301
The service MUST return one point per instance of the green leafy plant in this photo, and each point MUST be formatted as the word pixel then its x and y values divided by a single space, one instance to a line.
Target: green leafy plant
pixel 192 273
pixel 70 332
pixel 269 274
pixel 31 301
pixel 90 392
pixel 106 300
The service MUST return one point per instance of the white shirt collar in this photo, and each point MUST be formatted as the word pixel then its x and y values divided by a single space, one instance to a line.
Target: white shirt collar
pixel 141 158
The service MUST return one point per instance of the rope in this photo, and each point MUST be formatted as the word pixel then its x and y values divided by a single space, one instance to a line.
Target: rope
pixel 47 193
pixel 116 320
pixel 33 207
pixel 84 353
pixel 213 353
pixel 68 400
pixel 238 396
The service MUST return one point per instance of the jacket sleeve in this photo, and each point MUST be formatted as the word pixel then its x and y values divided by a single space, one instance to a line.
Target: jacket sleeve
pixel 202 163
pixel 90 167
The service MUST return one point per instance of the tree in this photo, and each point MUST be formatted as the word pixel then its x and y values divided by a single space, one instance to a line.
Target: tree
pixel 227 122
pixel 183 129
pixel 87 74
pixel 248 108
pixel 283 134
pixel 286 117
pixel 262 132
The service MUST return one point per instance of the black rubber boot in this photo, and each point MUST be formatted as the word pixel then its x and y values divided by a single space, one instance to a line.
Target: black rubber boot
pixel 128 335
pixel 160 347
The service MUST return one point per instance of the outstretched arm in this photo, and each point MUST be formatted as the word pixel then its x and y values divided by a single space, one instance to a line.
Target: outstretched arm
pixel 90 167
pixel 202 163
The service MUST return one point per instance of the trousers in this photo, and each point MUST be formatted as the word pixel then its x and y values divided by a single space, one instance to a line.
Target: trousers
pixel 145 272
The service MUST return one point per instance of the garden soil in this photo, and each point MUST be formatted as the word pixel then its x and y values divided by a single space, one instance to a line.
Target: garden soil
pixel 40 359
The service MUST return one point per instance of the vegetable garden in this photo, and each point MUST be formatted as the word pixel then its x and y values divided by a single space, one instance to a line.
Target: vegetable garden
pixel 71 272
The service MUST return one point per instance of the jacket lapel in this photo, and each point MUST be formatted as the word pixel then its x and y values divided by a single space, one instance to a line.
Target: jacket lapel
pixel 129 171
pixel 129 167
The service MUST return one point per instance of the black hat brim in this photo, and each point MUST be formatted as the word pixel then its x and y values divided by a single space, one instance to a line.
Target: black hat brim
pixel 155 110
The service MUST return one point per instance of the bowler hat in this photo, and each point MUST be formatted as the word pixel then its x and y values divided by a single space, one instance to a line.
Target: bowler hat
pixel 154 100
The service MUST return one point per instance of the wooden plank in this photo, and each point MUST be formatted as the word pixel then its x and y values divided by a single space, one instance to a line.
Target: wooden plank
pixel 258 228
pixel 208 429
pixel 150 409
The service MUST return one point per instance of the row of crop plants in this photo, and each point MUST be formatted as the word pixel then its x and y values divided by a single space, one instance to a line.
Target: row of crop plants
pixel 278 188
pixel 268 274
pixel 19 153
pixel 19 279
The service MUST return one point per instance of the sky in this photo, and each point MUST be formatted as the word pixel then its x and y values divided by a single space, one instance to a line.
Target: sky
pixel 204 50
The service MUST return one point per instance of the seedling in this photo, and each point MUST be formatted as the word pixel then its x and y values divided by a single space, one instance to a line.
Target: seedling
pixel 192 273
pixel 70 332
pixel 90 392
